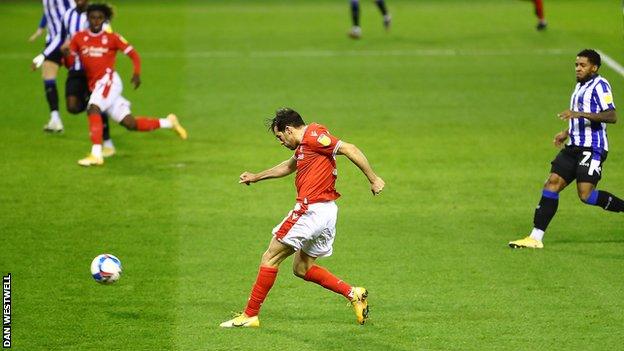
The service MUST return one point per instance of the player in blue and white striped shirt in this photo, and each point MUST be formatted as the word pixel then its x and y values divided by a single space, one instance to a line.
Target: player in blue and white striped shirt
pixel 591 108
pixel 50 59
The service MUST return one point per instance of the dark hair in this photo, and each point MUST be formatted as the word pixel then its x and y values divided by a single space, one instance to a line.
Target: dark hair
pixel 592 56
pixel 106 9
pixel 285 117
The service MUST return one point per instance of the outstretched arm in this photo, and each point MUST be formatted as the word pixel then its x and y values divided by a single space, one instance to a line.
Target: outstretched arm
pixel 281 170
pixel 40 28
pixel 357 157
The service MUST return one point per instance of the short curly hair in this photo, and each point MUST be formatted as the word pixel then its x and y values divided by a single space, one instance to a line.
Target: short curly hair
pixel 592 56
pixel 106 9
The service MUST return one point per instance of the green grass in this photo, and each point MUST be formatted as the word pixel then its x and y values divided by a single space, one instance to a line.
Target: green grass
pixel 457 117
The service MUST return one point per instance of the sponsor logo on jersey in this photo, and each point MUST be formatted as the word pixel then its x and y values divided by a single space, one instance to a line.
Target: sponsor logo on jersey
pixel 93 51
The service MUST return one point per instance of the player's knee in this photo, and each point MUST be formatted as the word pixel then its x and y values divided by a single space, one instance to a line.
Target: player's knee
pixel 299 271
pixel 268 259
pixel 93 109
pixel 129 123
pixel 554 184
pixel 584 194
pixel 75 108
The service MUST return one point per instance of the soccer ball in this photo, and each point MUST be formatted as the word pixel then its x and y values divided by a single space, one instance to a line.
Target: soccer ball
pixel 106 269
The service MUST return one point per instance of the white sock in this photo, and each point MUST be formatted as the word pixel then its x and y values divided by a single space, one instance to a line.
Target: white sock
pixel 537 234
pixel 165 123
pixel 109 143
pixel 96 150
pixel 55 117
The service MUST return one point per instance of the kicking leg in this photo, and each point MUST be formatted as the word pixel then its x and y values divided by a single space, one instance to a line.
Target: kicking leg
pixel 304 267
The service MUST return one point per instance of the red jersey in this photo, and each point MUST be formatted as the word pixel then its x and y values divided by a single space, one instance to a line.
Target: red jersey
pixel 97 52
pixel 316 165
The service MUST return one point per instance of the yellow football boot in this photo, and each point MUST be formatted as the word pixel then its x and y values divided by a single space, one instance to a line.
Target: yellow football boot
pixel 527 242
pixel 91 160
pixel 177 127
pixel 108 151
pixel 241 320
pixel 360 304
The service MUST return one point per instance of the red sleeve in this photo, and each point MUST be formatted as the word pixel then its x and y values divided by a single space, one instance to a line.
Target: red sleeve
pixel 120 43
pixel 323 143
pixel 136 61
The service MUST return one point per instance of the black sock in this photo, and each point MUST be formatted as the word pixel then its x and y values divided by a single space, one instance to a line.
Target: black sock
pixel 51 94
pixel 355 12
pixel 606 200
pixel 105 130
pixel 546 209
pixel 382 6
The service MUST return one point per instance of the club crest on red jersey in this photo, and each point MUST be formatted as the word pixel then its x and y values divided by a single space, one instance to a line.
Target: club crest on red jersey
pixel 324 140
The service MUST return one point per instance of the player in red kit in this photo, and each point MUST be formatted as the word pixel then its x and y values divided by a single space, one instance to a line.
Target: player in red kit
pixel 97 50
pixel 308 230
pixel 539 12
pixel 538 5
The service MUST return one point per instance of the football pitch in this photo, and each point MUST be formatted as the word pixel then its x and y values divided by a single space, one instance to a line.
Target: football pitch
pixel 455 109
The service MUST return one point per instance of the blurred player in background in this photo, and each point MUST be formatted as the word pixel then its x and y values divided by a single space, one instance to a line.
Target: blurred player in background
pixel 591 108
pixel 356 30
pixel 50 59
pixel 40 29
pixel 539 12
pixel 76 86
pixel 96 49
pixel 308 230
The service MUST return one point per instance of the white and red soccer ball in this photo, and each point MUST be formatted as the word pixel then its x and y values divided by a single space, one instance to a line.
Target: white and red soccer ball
pixel 106 269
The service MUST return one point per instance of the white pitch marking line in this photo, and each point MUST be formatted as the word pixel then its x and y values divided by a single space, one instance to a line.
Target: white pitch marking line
pixel 328 53
pixel 611 63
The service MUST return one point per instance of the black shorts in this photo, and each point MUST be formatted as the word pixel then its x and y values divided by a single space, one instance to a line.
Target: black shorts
pixel 76 85
pixel 581 163
pixel 56 56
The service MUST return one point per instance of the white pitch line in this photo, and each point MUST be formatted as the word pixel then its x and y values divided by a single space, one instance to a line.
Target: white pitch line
pixel 611 63
pixel 327 53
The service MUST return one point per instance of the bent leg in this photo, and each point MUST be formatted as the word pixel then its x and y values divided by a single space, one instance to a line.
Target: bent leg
pixel 304 267
pixel 588 194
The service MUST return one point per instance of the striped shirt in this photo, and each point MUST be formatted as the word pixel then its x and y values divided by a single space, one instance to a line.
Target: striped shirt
pixel 593 96
pixel 73 22
pixel 53 11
